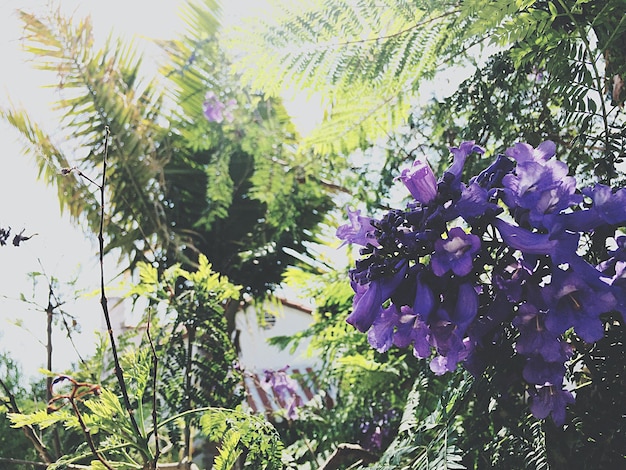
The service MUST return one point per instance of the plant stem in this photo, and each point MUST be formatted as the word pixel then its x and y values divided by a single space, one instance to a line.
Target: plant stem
pixel 103 300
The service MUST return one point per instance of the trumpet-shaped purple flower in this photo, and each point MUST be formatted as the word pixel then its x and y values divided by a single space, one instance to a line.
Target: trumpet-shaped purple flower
pixel 534 337
pixel 491 177
pixel 540 372
pixel 543 189
pixel 512 280
pixel 559 248
pixel 550 400
pixel 607 207
pixel 575 303
pixel 369 298
pixel 540 184
pixel 451 348
pixel 359 230
pixel 424 302
pixel 381 334
pixel 455 253
pixel 523 152
pixel 420 181
pixel 465 307
pixel 460 154
pixel 285 389
pixel 472 204
pixel 412 330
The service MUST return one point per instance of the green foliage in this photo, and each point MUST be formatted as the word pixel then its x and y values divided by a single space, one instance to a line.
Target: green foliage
pixel 179 375
pixel 365 57
pixel 178 185
pixel 195 342
pixel 242 433
pixel 12 444
pixel 550 72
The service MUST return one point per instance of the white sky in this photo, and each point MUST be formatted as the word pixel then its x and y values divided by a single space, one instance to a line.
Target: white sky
pixel 26 203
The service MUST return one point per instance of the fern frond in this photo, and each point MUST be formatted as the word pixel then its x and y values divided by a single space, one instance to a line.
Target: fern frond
pixel 237 431
pixel 228 452
pixel 41 418
pixel 354 53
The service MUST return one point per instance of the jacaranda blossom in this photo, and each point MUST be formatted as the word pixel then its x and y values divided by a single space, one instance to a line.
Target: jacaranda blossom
pixel 420 181
pixel 285 388
pixel 455 253
pixel 411 329
pixel 367 305
pixel 523 152
pixel 573 303
pixel 505 256
pixel 550 400
pixel 359 230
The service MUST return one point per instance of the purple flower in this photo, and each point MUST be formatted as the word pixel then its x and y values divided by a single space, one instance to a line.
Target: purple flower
pixel 472 204
pixel 359 230
pixel 369 298
pixel 424 302
pixel 491 177
pixel 523 152
pixel 381 333
pixel 412 330
pixel 543 189
pixel 420 181
pixel 539 184
pixel 458 309
pixel 574 303
pixel 456 350
pixel 610 206
pixel 607 207
pixel 534 337
pixel 465 308
pixel 538 371
pixel 550 400
pixel 285 390
pixel 455 253
pixel 512 279
pixel 460 154
pixel 216 111
pixel 559 248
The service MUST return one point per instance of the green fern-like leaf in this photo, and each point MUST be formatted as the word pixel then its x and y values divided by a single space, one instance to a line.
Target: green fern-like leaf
pixel 42 418
pixel 229 450
pixel 236 430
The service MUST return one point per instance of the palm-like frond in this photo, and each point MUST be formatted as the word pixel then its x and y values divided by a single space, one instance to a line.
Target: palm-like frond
pixel 99 89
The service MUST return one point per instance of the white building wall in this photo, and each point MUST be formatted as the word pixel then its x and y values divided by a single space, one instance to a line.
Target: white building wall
pixel 256 354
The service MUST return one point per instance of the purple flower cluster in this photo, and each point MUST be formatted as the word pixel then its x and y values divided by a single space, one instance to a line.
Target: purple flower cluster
pixel 216 111
pixel 285 389
pixel 507 248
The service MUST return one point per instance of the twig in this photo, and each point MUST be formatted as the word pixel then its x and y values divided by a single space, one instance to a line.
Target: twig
pixel 86 432
pixel 155 419
pixel 103 300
